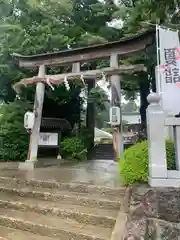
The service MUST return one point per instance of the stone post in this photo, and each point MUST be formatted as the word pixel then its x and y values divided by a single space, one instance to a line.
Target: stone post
pixel 156 138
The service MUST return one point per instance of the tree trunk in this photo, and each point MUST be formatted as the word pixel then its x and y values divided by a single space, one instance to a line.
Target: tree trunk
pixel 153 79
pixel 144 92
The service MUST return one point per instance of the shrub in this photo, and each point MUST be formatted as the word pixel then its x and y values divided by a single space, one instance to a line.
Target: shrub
pixel 133 164
pixel 73 148
pixel 86 137
pixel 14 139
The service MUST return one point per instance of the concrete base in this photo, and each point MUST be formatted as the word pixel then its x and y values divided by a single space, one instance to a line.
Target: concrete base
pixel 28 165
pixel 164 182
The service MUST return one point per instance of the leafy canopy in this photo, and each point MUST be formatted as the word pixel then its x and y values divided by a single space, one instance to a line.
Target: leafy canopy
pixel 14 139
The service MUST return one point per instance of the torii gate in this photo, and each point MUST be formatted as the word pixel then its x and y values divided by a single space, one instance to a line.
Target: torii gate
pixel 112 51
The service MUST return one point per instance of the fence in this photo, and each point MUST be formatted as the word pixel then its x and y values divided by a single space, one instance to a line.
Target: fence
pixel 157 124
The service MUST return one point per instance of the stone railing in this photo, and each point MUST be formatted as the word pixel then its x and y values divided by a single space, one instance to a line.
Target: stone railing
pixel 157 124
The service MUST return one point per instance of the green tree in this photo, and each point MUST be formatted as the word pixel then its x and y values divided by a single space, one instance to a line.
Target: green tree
pixel 45 26
pixel 137 13
pixel 13 136
pixel 99 98
pixel 38 26
pixel 137 16
pixel 130 106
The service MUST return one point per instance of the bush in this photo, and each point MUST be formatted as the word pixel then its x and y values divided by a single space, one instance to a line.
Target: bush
pixel 86 137
pixel 14 139
pixel 73 148
pixel 133 165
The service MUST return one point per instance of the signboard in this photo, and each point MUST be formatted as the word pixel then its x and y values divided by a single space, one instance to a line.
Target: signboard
pixel 48 139
pixel 115 118
pixel 168 79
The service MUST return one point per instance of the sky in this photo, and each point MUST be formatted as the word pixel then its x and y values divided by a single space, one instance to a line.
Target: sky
pixel 104 86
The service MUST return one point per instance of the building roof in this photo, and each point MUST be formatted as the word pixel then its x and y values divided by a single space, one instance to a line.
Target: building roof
pixel 55 123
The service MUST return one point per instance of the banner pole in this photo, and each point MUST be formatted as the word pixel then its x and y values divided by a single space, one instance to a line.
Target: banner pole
pixel 158 59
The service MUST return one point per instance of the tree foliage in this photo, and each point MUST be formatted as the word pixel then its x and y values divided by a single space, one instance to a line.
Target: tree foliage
pixel 140 15
pixel 130 106
pixel 37 26
pixel 13 136
pixel 101 104
pixel 137 13
pixel 73 149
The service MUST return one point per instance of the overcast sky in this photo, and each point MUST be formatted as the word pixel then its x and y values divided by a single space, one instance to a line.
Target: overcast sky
pixel 104 86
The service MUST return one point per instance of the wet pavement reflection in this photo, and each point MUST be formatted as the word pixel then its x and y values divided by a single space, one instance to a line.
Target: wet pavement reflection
pixel 97 172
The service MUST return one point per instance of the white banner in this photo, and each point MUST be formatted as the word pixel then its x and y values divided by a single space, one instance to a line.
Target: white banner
pixel 168 80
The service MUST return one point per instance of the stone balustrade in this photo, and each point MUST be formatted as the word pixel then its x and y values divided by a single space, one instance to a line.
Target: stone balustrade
pixel 157 124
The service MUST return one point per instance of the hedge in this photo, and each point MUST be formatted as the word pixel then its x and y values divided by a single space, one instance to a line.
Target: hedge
pixel 133 164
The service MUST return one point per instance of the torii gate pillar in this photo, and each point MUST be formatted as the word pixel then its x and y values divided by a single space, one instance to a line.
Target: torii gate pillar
pixel 34 137
pixel 116 101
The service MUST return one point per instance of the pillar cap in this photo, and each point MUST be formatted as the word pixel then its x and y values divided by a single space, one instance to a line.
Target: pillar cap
pixel 153 98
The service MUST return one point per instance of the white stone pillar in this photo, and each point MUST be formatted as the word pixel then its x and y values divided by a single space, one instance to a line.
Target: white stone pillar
pixel 116 101
pixel 156 139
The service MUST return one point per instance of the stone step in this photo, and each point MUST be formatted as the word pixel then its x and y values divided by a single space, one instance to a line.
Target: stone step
pixel 102 195
pixel 72 187
pixel 93 216
pixel 101 145
pixel 103 151
pixel 52 226
pixel 65 197
pixel 104 156
pixel 13 234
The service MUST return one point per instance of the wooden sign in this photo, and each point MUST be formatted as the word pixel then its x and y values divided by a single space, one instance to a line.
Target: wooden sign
pixel 48 139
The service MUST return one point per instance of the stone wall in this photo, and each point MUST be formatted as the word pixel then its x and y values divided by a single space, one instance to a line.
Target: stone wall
pixel 152 213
